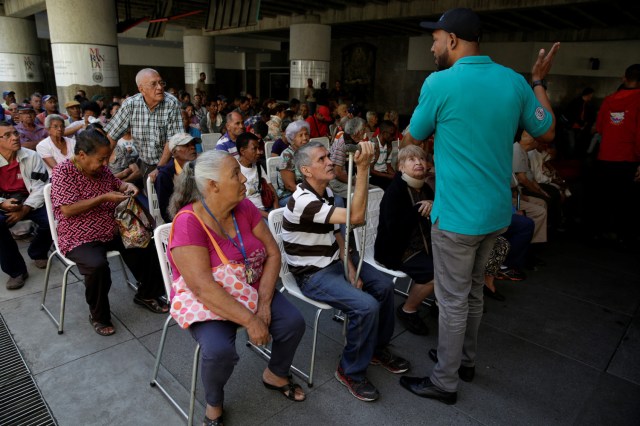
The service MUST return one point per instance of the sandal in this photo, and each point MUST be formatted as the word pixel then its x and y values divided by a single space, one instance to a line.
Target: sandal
pixel 102 329
pixel 215 422
pixel 288 390
pixel 153 305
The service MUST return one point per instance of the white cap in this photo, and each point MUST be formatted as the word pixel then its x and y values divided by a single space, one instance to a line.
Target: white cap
pixel 179 139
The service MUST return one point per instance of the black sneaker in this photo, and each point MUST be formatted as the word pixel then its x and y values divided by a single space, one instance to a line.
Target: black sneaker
pixel 412 322
pixel 361 389
pixel 391 362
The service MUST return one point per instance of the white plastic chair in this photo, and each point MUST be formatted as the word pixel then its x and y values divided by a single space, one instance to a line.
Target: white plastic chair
pixel 53 226
pixel 161 239
pixel 268 146
pixel 373 218
pixel 323 140
pixel 272 170
pixel 209 141
pixel 291 286
pixel 154 205
pixel 395 148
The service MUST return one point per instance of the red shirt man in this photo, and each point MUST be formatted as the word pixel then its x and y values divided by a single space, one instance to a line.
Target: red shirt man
pixel 319 122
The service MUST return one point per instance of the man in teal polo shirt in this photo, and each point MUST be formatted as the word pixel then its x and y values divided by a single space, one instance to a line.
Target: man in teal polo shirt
pixel 474 106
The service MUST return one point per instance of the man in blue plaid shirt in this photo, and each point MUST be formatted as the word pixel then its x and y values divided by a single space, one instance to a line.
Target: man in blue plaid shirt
pixel 153 117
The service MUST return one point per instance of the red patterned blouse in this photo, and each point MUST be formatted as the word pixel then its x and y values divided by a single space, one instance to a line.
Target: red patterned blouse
pixel 68 186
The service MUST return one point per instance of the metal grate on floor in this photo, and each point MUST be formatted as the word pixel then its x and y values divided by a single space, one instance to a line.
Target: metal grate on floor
pixel 21 402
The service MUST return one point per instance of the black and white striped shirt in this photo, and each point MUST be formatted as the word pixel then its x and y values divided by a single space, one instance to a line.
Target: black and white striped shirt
pixel 308 237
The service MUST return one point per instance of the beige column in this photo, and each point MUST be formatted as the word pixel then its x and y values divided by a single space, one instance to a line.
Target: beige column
pixel 199 57
pixel 84 45
pixel 309 56
pixel 20 68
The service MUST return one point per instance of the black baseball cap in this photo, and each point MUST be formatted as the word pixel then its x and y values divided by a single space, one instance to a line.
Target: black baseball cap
pixel 463 22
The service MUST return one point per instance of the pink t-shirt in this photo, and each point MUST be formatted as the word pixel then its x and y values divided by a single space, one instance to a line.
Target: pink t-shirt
pixel 187 231
pixel 68 186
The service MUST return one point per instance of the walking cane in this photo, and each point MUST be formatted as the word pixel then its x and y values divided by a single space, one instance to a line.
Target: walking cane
pixel 351 149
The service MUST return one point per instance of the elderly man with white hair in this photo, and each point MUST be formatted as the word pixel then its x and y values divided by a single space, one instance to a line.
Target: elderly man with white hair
pixel 153 117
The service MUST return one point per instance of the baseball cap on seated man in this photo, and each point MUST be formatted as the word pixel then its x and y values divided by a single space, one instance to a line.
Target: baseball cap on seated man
pixel 45 98
pixel 71 104
pixel 179 139
pixel 462 22
pixel 25 108
pixel 8 92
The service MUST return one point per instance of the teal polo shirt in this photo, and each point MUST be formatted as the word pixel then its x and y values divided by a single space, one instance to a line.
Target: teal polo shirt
pixel 475 108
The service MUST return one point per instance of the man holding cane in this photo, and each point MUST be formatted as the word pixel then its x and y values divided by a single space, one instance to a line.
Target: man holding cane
pixel 313 246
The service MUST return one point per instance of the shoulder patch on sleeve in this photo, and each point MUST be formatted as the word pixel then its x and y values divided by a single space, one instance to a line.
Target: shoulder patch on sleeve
pixel 540 113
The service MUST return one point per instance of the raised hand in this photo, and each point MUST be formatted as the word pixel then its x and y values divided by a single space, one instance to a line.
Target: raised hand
pixel 543 62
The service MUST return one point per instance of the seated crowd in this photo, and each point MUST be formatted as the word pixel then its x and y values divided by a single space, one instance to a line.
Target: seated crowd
pixel 95 157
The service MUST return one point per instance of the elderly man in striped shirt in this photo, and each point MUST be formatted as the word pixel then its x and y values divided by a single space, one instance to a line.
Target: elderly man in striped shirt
pixel 313 244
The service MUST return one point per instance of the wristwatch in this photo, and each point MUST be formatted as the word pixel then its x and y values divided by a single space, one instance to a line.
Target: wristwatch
pixel 542 83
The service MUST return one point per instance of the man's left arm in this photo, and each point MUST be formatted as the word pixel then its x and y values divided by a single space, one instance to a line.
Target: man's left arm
pixel 38 176
pixel 174 126
pixel 539 72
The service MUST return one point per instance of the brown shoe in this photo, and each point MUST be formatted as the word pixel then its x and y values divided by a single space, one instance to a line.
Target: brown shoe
pixel 17 282
pixel 40 263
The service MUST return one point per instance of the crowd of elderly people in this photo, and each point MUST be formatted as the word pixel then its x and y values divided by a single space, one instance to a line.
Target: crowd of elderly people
pixel 95 158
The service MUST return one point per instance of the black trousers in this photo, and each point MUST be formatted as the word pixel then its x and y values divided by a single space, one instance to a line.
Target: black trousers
pixel 618 198
pixel 92 262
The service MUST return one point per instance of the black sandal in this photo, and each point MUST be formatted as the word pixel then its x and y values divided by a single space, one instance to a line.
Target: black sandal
pixel 215 422
pixel 100 328
pixel 288 390
pixel 153 305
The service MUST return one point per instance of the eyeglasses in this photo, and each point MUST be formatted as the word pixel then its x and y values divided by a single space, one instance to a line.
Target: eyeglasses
pixel 155 84
pixel 9 135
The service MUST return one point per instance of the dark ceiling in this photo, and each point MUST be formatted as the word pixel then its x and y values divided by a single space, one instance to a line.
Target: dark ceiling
pixel 594 19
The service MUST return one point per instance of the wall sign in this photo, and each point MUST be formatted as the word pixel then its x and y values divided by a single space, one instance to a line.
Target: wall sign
pixel 85 64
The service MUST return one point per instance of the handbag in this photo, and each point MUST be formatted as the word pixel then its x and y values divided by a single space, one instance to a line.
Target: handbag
pixel 186 309
pixel 266 194
pixel 135 223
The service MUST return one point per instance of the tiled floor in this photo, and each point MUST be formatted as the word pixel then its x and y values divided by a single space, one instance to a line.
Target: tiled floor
pixel 564 348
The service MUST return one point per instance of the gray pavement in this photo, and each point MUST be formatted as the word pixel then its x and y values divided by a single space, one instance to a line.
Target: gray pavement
pixel 563 349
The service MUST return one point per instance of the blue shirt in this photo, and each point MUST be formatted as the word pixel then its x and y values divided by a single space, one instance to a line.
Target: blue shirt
pixel 226 144
pixel 475 108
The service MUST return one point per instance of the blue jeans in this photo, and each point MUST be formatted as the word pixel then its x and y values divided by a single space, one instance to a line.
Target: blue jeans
pixel 519 235
pixel 370 311
pixel 218 347
pixel 11 260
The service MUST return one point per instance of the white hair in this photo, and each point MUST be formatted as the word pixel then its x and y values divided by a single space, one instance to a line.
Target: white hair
pixel 353 126
pixel 143 72
pixel 191 184
pixel 208 167
pixel 52 117
pixel 294 128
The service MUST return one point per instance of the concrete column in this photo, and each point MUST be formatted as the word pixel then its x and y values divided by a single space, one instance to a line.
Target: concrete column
pixel 85 48
pixel 199 56
pixel 20 68
pixel 309 56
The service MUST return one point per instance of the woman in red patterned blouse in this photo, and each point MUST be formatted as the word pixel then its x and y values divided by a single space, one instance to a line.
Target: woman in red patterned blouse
pixel 85 194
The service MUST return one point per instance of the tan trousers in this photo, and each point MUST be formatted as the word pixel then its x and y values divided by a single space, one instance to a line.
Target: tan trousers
pixel 536 209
